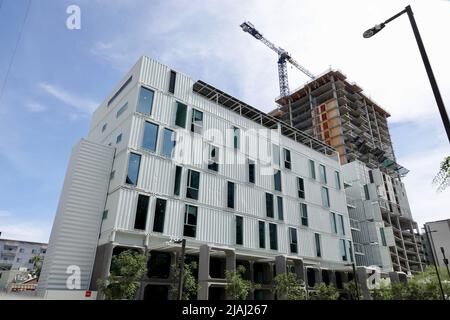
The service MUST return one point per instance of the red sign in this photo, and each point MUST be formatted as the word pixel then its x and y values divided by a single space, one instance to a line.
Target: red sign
pixel 88 293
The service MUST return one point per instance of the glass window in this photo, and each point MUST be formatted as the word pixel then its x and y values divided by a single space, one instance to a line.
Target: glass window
pixel 122 110
pixel 193 184
pixel 293 240
pixel 230 194
pixel 312 169
pixel 350 250
pixel 343 249
pixel 287 158
pixel 333 222
pixel 280 207
pixel 276 154
pixel 119 138
pixel 104 216
pixel 325 197
pixel 262 234
pixel 141 212
pixel 168 143
pixel 197 121
pixel 370 176
pixel 180 119
pixel 173 76
pixel 160 212
pixel 134 162
pixel 383 237
pixel 269 205
pixel 341 224
pixel 239 230
pixel 145 103
pixel 304 214
pixel 190 221
pixel 277 180
pixel 337 179
pixel 236 137
pixel 251 171
pixel 213 158
pixel 317 243
pixel 366 192
pixel 323 174
pixel 301 188
pixel 273 236
pixel 150 136
pixel 104 127
pixel 176 189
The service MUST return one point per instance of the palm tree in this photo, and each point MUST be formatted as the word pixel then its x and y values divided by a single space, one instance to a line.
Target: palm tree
pixel 442 179
pixel 37 263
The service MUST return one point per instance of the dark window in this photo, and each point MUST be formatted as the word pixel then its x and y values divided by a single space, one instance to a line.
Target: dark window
pixel 158 265
pixel 370 176
pixel 134 161
pixel 104 127
pixel 304 214
pixel 213 159
pixel 160 212
pixel 325 197
pixel 176 188
pixel 350 250
pixel 120 90
pixel 141 212
pixel 190 221
pixel 323 174
pixel 317 242
pixel 104 216
pixel 145 103
pixel 230 194
pixel 333 222
pixel 251 171
pixel 337 178
pixel 239 230
pixel 236 138
pixel 280 207
pixel 273 236
pixel 193 184
pixel 269 205
pixel 197 121
pixel 119 138
pixel 383 237
pixel 150 136
pixel 173 76
pixel 287 158
pixel 262 234
pixel 180 119
pixel 168 143
pixel 293 239
pixel 122 110
pixel 312 169
pixel 343 249
pixel 277 180
pixel 301 188
pixel 366 192
pixel 341 224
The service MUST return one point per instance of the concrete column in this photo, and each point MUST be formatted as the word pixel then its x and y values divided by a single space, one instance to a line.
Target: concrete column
pixel 280 265
pixel 318 275
pixel 203 272
pixel 361 278
pixel 102 263
pixel 299 269
pixel 332 277
pixel 230 260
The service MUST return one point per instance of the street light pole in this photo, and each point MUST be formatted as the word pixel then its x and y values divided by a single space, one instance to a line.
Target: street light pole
pixel 355 279
pixel 437 95
pixel 445 261
pixel 180 284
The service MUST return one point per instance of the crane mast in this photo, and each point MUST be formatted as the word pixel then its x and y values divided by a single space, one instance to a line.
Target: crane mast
pixel 283 58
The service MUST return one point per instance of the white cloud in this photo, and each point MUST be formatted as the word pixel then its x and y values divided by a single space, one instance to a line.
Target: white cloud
pixel 19 228
pixel 35 107
pixel 83 105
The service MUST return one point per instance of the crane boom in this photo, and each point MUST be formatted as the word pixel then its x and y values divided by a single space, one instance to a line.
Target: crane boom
pixel 283 56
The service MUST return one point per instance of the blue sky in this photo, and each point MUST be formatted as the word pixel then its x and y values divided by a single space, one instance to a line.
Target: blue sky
pixel 59 76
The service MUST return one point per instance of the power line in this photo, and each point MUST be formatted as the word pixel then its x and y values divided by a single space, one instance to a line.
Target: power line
pixel 15 49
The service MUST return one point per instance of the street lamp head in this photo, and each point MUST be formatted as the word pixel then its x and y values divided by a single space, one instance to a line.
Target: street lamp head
pixel 372 31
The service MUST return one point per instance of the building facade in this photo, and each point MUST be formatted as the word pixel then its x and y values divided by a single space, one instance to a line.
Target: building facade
pixel 172 157
pixel 16 254
pixel 436 235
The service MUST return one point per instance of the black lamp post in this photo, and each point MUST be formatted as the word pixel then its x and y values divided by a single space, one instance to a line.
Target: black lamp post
pixel 355 279
pixel 445 260
pixel 437 95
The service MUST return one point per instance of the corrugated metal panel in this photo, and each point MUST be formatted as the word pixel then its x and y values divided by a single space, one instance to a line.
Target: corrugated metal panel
pixel 126 209
pixel 214 226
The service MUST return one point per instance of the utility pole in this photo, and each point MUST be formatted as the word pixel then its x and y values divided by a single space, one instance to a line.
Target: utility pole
pixel 445 261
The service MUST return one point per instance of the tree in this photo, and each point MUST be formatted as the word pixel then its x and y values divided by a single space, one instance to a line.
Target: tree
pixel 442 179
pixel 127 270
pixel 190 284
pixel 37 264
pixel 287 286
pixel 324 292
pixel 237 288
pixel 351 288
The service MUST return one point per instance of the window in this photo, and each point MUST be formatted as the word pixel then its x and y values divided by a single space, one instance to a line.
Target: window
pixel 18 260
pixel 277 180
pixel 150 136
pixel 105 215
pixel 173 77
pixel 213 158
pixel 366 192
pixel 317 243
pixel 301 188
pixel 325 197
pixel 160 212
pixel 343 249
pixel 177 185
pixel 134 161
pixel 145 103
pixel 293 240
pixel 341 224
pixel 193 184
pixel 236 138
pixel 370 176
pixel 141 212
pixel 239 230
pixel 269 205
pixel 122 110
pixel 251 171
pixel 350 250
pixel 383 237
pixel 273 236
pixel 180 118
pixel 333 222
pixel 312 169
pixel 337 180
pixel 230 194
pixel 197 121
pixel 304 214
pixel 190 221
pixel 104 127
pixel 119 138
pixel 262 234
pixel 276 154
pixel 323 173
pixel 21 250
pixel 120 90
pixel 280 207
pixel 168 143
pixel 287 158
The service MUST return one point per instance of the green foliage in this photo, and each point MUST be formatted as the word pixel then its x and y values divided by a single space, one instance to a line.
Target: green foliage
pixel 442 179
pixel 190 284
pixel 351 288
pixel 287 286
pixel 37 263
pixel 324 292
pixel 237 288
pixel 127 269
